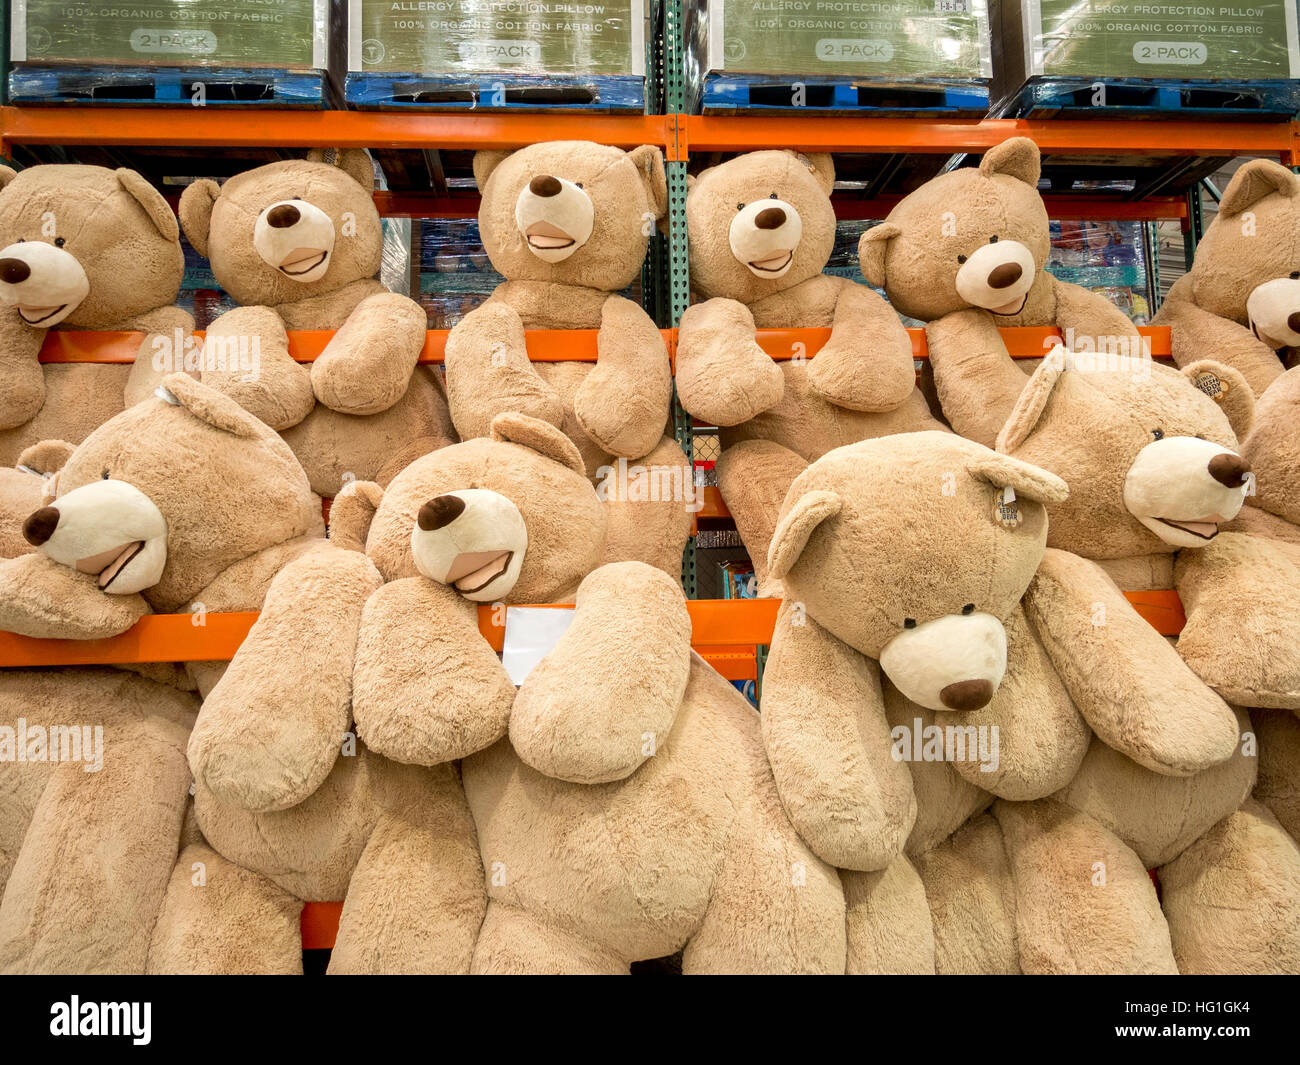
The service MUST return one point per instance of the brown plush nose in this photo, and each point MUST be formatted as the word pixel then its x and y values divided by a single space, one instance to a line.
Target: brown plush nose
pixel 1229 470
pixel 440 511
pixel 770 218
pixel 14 271
pixel 1005 275
pixel 282 216
pixel 1292 319
pixel 40 525
pixel 545 185
pixel 967 694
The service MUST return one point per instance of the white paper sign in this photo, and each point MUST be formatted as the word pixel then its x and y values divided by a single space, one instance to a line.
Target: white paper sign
pixel 531 633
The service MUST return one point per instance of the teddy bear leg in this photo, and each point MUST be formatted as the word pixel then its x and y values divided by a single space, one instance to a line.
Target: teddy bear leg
pixel 1085 904
pixel 246 357
pixel 366 367
pixel 515 942
pixel 1232 899
pixel 416 899
pixel 221 919
pixel 753 477
pixel 653 530
pixel 888 918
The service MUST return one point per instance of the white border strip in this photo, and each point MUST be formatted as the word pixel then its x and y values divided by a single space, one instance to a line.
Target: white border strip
pixel 1292 44
pixel 717 57
pixel 17 31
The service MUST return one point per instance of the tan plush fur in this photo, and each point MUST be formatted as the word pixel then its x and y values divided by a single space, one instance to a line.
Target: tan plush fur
pixel 364 407
pixel 618 408
pixel 124 237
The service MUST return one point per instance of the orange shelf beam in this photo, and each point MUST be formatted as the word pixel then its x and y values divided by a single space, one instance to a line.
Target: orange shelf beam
pixel 1023 342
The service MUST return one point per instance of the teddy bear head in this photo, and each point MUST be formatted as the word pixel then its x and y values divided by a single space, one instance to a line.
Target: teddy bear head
pixel 570 212
pixel 1246 264
pixel 288 231
pixel 1273 448
pixel 760 223
pixel 975 237
pixel 1151 459
pixel 85 246
pixel 912 549
pixel 507 518
pixel 171 492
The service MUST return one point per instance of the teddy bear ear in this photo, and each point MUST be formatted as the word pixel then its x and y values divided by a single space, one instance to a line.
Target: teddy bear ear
pixel 1032 482
pixel 196 212
pixel 540 436
pixel 485 162
pixel 148 197
pixel 1031 402
pixel 1228 389
pixel 821 165
pixel 1017 158
pixel 792 531
pixel 208 405
pixel 355 162
pixel 650 165
pixel 1254 181
pixel 872 246
pixel 352 512
pixel 46 457
pixel 7 174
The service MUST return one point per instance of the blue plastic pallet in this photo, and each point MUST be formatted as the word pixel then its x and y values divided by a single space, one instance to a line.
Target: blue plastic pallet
pixel 495 92
pixel 724 93
pixel 1187 98
pixel 167 86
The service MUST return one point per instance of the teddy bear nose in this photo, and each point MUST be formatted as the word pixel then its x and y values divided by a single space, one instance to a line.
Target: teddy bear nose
pixel 966 694
pixel 545 185
pixel 283 215
pixel 1229 470
pixel 14 271
pixel 1292 319
pixel 1005 275
pixel 40 525
pixel 440 511
pixel 770 218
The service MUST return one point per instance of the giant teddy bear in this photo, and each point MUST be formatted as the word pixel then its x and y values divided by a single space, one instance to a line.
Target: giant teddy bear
pixel 182 503
pixel 761 229
pixel 81 247
pixel 623 804
pixel 568 224
pixel 298 244
pixel 966 254
pixel 1240 302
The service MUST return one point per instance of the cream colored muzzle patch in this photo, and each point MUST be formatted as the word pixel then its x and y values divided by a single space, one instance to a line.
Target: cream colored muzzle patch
pixel 112 530
pixel 1273 310
pixel 764 235
pixel 555 226
pixel 997 277
pixel 473 540
pixel 954 662
pixel 1171 490
pixel 301 249
pixel 54 286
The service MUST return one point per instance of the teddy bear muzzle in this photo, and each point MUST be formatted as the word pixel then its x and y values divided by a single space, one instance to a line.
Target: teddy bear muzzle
pixel 764 235
pixel 45 282
pixel 998 277
pixel 953 662
pixel 296 238
pixel 1184 488
pixel 108 529
pixel 555 217
pixel 473 540
pixel 1273 310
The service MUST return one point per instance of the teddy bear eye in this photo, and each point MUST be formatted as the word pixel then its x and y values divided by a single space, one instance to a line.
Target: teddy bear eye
pixel 740 207
pixel 104 476
pixel 773 196
pixel 993 239
pixel 909 623
pixel 59 242
pixel 969 608
pixel 961 258
pixel 1159 434
pixel 577 184
pixel 1295 275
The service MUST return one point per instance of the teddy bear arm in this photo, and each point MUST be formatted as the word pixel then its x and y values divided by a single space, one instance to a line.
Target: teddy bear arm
pixel 654 526
pixel 1130 686
pixel 271 728
pixel 867 363
pixel 622 404
pixel 977 381
pixel 488 372
pixel 22 381
pixel 1084 318
pixel 427 688
pixel 723 376
pixel 367 365
pixel 246 357
pixel 40 597
pixel 605 697
pixel 828 742
pixel 1196 334
pixel 168 335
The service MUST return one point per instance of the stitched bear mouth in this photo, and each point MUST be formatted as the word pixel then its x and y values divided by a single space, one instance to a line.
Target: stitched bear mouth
pixel 302 261
pixel 548 237
pixel 1205 528
pixel 773 263
pixel 1008 310
pixel 108 565
pixel 487 567
pixel 37 315
pixel 1267 340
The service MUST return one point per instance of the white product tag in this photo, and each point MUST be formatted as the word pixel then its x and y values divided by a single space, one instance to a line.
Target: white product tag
pixel 531 633
pixel 952 7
